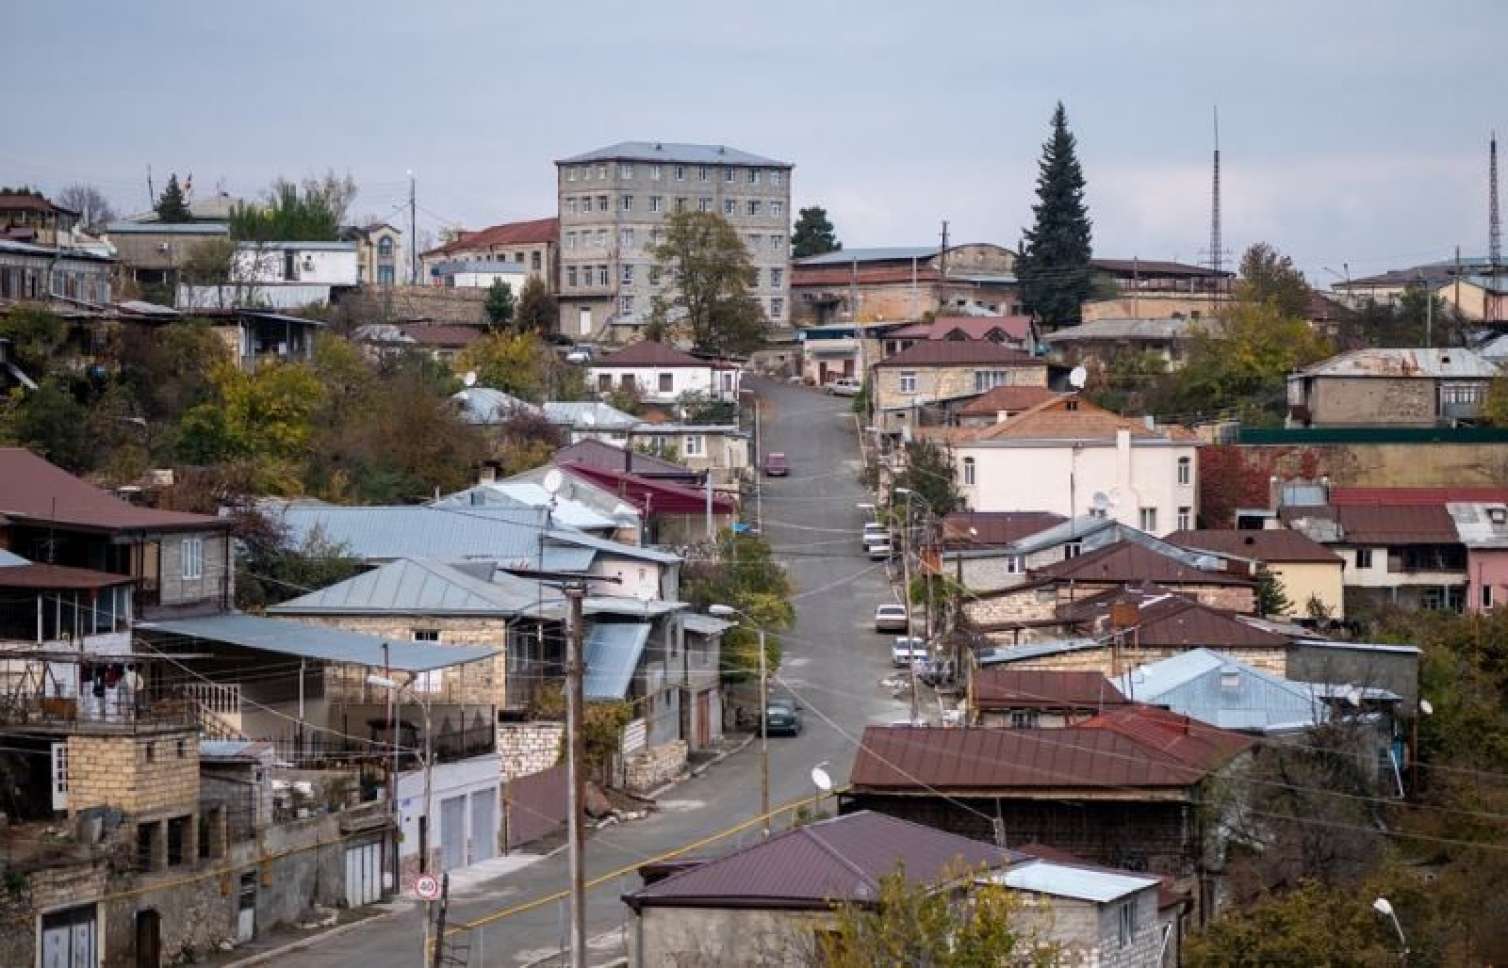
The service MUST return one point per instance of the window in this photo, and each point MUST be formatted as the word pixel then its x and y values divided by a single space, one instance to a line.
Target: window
pixel 385 247
pixel 534 262
pixel 602 238
pixel 571 205
pixel 601 203
pixel 177 840
pixel 680 204
pixel 754 280
pixel 628 274
pixel 777 278
pixel 602 275
pixel 426 635
pixel 667 382
pixel 654 275
pixel 571 274
pixel 1185 470
pixel 1147 519
pixel 605 382
pixel 777 307
pixel 656 236
pixel 570 174
pixel 570 240
pixel 1185 518
pixel 704 204
pixel 193 558
pixel 753 176
pixel 968 471
pixel 680 172
pixel 602 171
pixel 654 172
pixel 701 173
pixel 1126 920
pixel 754 241
pixel 692 446
pixel 1486 597
pixel 656 203
pixel 908 382
pixel 1024 719
pixel 517 257
pixel 628 203
pixel 989 379
pixel 626 238
pixel 729 206
pixel 753 206
pixel 777 242
pixel 777 209
pixel 1072 549
pixel 1014 564
pixel 625 169
pixel 625 304
pixel 1363 557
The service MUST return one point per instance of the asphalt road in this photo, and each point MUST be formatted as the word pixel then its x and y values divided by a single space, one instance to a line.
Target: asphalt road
pixel 833 662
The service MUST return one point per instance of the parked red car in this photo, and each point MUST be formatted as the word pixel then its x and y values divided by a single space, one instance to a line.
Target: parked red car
pixel 775 465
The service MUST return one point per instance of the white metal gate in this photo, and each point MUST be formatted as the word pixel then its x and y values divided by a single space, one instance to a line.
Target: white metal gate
pixel 363 874
pixel 246 909
pixel 60 776
pixel 453 833
pixel 69 938
pixel 483 824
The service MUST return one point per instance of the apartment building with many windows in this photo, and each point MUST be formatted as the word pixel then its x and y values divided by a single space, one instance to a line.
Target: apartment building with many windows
pixel 613 205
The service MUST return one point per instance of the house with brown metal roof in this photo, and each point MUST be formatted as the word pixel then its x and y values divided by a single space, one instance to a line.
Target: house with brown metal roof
pixel 769 903
pixel 935 372
pixel 1000 695
pixel 1312 575
pixel 1135 788
pixel 533 245
pixel 1000 404
pixel 904 283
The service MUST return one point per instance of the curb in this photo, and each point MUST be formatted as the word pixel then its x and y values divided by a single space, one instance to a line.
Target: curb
pixel 698 771
pixel 309 941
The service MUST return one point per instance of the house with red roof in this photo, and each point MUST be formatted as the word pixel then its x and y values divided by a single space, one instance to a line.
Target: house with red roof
pixel 672 514
pixel 533 246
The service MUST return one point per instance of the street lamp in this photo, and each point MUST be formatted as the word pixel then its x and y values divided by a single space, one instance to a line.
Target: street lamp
pixel 1384 907
pixel 906 579
pixel 727 611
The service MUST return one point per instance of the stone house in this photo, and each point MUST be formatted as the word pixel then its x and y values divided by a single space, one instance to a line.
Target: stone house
pixel 933 372
pixel 1100 342
pixel 904 284
pixel 379 253
pixel 1391 387
pixel 1133 788
pixel 533 246
pixel 613 204
pixel 1013 331
pixel 33 272
pixel 1015 698
pixel 1307 569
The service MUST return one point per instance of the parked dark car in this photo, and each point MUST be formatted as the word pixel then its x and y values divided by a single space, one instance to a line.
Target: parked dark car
pixel 775 465
pixel 781 718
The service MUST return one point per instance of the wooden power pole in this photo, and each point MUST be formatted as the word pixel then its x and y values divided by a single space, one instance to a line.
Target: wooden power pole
pixel 575 780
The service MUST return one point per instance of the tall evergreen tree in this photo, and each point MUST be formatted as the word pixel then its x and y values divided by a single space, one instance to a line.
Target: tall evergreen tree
pixel 171 205
pixel 813 234
pixel 1054 266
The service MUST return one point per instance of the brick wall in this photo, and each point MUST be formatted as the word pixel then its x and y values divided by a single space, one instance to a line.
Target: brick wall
pixel 650 767
pixel 137 774
pixel 528 748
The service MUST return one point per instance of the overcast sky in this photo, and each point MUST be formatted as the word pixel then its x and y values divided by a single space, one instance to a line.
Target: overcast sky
pixel 1351 132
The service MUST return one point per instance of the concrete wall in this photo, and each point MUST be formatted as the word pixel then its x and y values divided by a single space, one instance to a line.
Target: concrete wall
pixel 1139 474
pixel 712 937
pixel 1369 401
pixel 463 777
pixel 257 263
pixel 1303 579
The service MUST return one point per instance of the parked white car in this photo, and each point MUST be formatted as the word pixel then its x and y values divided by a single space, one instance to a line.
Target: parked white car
pixel 906 650
pixel 890 618
pixel 845 387
pixel 879 549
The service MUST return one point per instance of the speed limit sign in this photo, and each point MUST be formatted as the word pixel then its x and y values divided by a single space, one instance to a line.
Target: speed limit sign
pixel 427 887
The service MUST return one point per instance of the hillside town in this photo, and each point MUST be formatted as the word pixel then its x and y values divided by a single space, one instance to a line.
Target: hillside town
pixel 674 576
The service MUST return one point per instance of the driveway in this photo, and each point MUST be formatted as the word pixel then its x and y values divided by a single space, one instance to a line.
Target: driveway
pixel 833 661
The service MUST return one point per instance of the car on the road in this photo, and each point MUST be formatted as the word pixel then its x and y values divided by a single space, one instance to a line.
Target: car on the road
pixel 890 618
pixel 845 387
pixel 906 650
pixel 775 465
pixel 874 531
pixel 879 549
pixel 781 718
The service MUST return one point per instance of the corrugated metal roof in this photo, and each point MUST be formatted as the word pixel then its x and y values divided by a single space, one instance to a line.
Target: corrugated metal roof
pixel 9 559
pixel 632 607
pixel 970 529
pixel 1273 544
pixel 319 642
pixel 588 415
pixel 670 151
pixel 583 540
pixel 1131 561
pixel 700 624
pixel 1166 618
pixel 1080 883
pixel 415 586
pixel 612 654
pixel 598 453
pixel 960 352
pixel 1131 329
pixel 649 353
pixel 816 865
pixel 564 511
pixel 1223 691
pixel 1036 650
pixel 1397 525
pixel 996 687
pixel 484 405
pixel 167 228
pixel 383 533
pixel 58 576
pixel 1394 496
pixel 1480 524
pixel 36 490
pixel 845 257
pixel 1434 362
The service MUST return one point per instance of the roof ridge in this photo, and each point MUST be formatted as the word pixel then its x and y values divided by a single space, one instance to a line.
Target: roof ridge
pixel 837 855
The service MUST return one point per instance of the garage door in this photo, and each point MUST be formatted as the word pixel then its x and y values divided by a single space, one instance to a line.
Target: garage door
pixel 453 833
pixel 363 874
pixel 483 824
pixel 68 938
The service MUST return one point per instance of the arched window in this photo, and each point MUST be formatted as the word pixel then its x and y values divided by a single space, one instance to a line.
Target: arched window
pixel 385 247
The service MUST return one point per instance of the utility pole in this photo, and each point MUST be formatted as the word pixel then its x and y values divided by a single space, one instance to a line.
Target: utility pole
pixel 151 192
pixel 392 772
pixel 758 457
pixel 439 947
pixel 942 254
pixel 764 738
pixel 428 839
pixel 1135 287
pixel 413 234
pixel 575 787
pixel 707 476
pixel 906 591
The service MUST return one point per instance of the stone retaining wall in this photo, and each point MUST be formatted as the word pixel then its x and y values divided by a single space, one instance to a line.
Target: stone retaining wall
pixel 528 748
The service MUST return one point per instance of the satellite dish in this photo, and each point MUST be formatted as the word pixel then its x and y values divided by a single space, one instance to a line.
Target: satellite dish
pixel 1426 708
pixel 1353 696
pixel 1077 377
pixel 821 780
pixel 1101 501
pixel 554 480
pixel 470 378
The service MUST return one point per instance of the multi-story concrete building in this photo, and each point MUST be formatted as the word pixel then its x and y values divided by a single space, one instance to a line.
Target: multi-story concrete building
pixel 613 205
